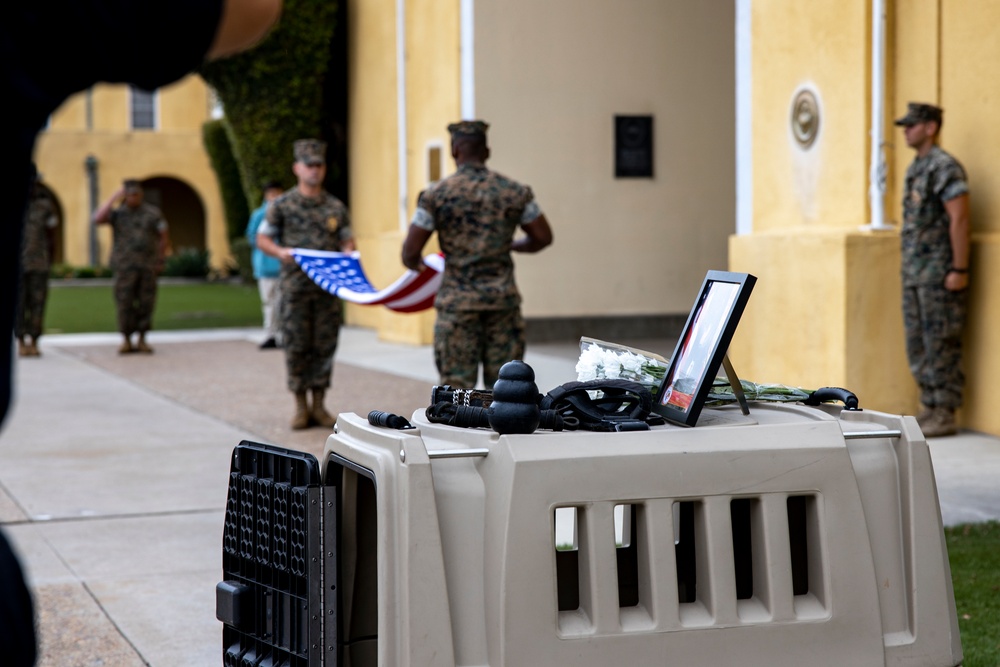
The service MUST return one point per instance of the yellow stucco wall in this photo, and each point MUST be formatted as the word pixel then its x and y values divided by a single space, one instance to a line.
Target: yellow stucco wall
pixel 174 151
pixel 431 93
pixel 826 309
pixel 829 317
pixel 970 66
pixel 550 77
pixel 628 246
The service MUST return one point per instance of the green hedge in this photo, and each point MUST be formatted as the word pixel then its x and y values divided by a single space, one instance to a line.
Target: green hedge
pixel 215 136
pixel 187 263
pixel 242 259
pixel 68 272
pixel 274 93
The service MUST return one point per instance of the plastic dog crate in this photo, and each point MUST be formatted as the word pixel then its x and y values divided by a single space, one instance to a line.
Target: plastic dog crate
pixel 794 535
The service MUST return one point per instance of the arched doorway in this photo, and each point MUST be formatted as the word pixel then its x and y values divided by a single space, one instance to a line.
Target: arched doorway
pixel 183 210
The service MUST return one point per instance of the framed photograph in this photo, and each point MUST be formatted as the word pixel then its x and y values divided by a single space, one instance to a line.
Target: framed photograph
pixel 703 345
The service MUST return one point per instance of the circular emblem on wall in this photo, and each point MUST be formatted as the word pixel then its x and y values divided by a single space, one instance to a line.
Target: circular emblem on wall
pixel 805 117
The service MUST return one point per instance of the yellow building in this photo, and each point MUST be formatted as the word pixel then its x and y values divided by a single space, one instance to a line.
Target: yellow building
pixel 760 153
pixel 826 309
pixel 109 133
pixel 551 77
pixel 732 185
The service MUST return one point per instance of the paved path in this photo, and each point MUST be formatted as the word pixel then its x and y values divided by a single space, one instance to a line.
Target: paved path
pixel 113 469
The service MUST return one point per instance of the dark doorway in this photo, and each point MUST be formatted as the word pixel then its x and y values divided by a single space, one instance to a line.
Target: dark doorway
pixel 183 210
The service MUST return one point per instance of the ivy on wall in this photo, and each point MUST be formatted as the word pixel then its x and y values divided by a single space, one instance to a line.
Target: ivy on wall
pixel 216 139
pixel 274 94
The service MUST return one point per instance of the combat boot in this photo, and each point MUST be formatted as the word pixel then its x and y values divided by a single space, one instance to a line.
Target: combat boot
pixel 126 346
pixel 940 423
pixel 301 418
pixel 925 413
pixel 319 413
pixel 22 348
pixel 142 346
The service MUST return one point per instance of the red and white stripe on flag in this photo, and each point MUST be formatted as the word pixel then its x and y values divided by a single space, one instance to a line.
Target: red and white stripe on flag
pixel 341 274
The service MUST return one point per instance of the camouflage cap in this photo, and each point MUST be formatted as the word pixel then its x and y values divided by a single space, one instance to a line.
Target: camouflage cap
pixel 131 185
pixel 310 151
pixel 469 127
pixel 918 112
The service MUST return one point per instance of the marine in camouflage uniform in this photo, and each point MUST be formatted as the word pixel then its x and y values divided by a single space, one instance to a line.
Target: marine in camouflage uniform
pixel 139 242
pixel 40 221
pixel 307 217
pixel 935 255
pixel 476 213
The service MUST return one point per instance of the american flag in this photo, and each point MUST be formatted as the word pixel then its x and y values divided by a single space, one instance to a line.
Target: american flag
pixel 341 274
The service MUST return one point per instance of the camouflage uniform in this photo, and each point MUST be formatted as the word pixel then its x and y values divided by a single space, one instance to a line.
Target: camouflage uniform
pixel 476 212
pixel 310 316
pixel 134 256
pixel 933 316
pixel 35 262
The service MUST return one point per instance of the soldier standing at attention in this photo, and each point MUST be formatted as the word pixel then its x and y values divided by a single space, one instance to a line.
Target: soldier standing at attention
pixel 307 216
pixel 36 257
pixel 935 266
pixel 476 213
pixel 140 241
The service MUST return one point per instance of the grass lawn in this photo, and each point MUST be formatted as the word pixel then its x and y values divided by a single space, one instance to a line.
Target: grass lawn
pixel 90 308
pixel 974 553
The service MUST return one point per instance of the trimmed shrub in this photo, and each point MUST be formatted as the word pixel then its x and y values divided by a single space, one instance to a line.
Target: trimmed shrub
pixel 187 263
pixel 215 136
pixel 242 263
pixel 68 272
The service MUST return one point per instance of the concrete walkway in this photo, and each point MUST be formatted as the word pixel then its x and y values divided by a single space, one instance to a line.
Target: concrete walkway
pixel 113 475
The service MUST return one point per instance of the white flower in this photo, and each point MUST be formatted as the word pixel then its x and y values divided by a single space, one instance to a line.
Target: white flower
pixel 590 364
pixel 598 362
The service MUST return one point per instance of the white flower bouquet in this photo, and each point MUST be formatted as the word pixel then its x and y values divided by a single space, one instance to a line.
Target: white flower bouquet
pixel 600 360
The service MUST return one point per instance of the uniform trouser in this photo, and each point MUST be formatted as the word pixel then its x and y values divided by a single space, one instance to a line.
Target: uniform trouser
pixel 31 308
pixel 135 298
pixel 934 318
pixel 310 321
pixel 465 339
pixel 270 304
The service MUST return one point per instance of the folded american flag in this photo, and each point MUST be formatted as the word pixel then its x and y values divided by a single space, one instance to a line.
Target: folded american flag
pixel 341 274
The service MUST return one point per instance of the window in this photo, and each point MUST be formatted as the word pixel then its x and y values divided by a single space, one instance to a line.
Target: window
pixel 142 109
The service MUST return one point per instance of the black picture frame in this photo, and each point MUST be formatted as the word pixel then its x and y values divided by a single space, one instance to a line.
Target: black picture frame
pixel 702 346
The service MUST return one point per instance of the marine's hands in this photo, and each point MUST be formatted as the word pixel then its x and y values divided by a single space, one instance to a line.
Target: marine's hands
pixel 955 281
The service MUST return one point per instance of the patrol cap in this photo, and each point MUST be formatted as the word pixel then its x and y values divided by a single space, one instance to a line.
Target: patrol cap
pixel 131 185
pixel 918 112
pixel 310 151
pixel 472 128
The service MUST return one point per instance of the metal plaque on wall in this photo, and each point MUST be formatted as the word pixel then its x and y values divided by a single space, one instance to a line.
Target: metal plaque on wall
pixel 633 146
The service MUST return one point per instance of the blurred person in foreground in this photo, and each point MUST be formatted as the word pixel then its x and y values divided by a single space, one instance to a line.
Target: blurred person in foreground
pixel 36 260
pixel 935 267
pixel 85 42
pixel 266 271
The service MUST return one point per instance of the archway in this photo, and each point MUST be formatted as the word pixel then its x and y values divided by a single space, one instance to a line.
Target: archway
pixel 183 210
